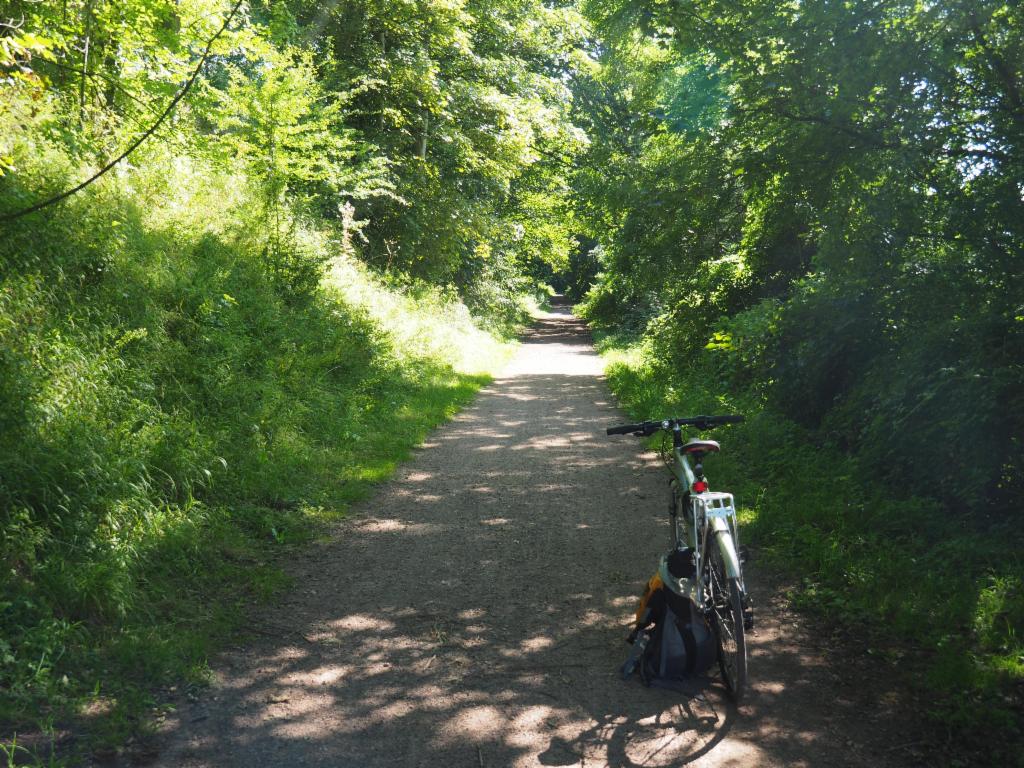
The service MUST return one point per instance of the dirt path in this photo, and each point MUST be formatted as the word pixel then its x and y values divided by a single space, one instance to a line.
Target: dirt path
pixel 473 612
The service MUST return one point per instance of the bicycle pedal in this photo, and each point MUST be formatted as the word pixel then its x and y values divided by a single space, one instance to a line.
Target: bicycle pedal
pixel 748 612
pixel 744 554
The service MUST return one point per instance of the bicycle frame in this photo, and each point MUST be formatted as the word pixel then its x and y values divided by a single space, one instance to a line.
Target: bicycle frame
pixel 711 515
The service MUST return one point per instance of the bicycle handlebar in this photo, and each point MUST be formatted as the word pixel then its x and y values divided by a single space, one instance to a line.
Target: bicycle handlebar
pixel 645 428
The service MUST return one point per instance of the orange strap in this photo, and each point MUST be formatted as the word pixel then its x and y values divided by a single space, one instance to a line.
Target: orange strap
pixel 653 586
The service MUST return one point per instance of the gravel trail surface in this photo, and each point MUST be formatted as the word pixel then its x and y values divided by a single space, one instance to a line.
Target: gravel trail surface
pixel 472 614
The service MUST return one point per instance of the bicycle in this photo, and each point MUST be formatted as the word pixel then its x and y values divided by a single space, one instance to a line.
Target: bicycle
pixel 710 576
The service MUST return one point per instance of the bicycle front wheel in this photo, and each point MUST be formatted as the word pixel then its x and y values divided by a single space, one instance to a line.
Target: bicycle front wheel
pixel 727 605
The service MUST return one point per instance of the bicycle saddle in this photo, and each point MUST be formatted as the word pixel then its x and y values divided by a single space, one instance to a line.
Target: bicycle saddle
pixel 696 445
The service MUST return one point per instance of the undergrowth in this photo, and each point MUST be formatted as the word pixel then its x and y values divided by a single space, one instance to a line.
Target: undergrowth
pixel 172 417
pixel 932 593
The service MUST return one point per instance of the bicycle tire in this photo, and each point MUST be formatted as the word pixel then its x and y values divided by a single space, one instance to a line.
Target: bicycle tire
pixel 727 608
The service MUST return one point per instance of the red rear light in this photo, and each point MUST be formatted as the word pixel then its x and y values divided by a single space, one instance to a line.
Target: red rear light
pixel 700 487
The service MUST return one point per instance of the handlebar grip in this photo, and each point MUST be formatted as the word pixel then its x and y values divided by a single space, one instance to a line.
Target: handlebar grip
pixel 624 429
pixel 735 419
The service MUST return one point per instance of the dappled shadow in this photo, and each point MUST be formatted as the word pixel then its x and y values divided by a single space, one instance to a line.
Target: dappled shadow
pixel 473 613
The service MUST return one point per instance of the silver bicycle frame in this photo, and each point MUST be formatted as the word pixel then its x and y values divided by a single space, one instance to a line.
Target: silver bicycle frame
pixel 705 517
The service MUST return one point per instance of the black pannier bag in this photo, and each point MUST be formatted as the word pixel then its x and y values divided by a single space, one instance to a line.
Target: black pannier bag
pixel 673 646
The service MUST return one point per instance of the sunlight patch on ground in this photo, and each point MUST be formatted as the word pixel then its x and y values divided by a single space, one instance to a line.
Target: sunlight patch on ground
pixel 362 622
pixel 537 643
pixel 375 525
pixel 476 725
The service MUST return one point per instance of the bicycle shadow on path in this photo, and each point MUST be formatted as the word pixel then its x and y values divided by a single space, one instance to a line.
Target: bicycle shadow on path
pixel 473 613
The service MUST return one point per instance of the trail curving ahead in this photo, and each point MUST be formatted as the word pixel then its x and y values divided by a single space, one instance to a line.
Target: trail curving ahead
pixel 473 612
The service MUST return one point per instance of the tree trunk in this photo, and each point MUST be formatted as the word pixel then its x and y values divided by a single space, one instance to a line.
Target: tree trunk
pixel 421 151
pixel 85 63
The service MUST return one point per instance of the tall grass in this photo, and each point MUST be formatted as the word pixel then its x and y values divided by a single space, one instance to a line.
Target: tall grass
pixel 172 415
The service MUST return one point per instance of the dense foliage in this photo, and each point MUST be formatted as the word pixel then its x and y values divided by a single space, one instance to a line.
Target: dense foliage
pixel 808 211
pixel 815 211
pixel 195 361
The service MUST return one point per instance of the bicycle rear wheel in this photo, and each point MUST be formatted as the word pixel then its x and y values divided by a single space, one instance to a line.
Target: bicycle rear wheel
pixel 727 616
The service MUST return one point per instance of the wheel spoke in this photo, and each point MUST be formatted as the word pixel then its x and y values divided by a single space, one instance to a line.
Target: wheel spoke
pixel 728 620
